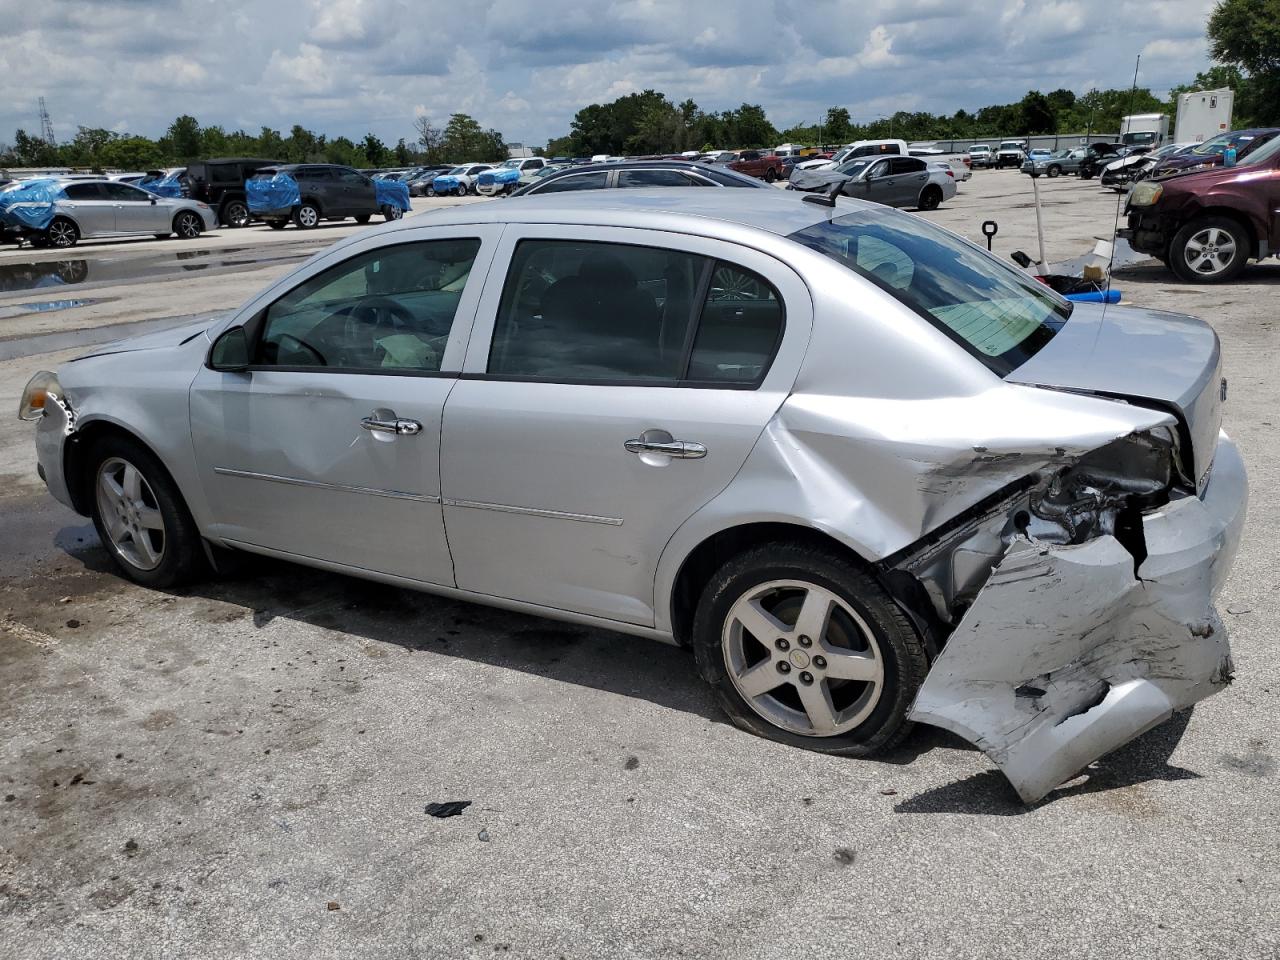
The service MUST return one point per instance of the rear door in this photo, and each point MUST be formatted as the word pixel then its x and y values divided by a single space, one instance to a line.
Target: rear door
pixel 615 382
pixel 92 210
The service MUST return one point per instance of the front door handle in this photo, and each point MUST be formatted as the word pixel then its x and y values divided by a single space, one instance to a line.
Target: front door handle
pixel 676 449
pixel 402 428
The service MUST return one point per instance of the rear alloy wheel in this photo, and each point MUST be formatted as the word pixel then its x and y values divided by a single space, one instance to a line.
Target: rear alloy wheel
pixel 805 649
pixel 308 216
pixel 1209 250
pixel 187 226
pixel 62 233
pixel 235 214
pixel 141 517
pixel 1055 171
pixel 770 175
pixel 930 197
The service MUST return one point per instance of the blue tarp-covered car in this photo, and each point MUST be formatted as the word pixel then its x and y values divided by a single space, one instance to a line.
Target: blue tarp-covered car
pixel 508 176
pixel 460 180
pixel 306 193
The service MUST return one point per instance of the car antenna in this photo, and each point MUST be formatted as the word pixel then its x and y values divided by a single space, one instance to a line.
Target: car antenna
pixel 827 199
pixel 1115 227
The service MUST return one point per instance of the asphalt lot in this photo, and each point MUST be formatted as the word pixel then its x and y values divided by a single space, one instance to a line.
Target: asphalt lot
pixel 241 769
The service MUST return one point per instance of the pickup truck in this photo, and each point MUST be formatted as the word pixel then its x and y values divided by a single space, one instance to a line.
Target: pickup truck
pixel 759 164
pixel 1011 153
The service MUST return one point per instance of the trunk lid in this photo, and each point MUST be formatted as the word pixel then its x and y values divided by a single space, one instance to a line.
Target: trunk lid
pixel 1146 356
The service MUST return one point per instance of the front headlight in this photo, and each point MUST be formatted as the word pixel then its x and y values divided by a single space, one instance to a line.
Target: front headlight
pixel 1145 193
pixel 40 389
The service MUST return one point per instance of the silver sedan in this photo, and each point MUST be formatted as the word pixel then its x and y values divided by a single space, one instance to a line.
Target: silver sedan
pixel 869 473
pixel 106 208
pixel 892 181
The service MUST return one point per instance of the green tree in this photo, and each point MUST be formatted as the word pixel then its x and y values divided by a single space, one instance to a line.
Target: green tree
pixel 464 141
pixel 132 153
pixel 183 138
pixel 342 150
pixel 375 151
pixel 302 145
pixel 270 144
pixel 213 142
pixel 837 128
pixel 402 153
pixel 29 151
pixel 1246 34
pixel 1035 114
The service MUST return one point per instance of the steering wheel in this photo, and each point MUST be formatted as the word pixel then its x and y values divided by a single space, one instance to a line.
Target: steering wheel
pixel 375 312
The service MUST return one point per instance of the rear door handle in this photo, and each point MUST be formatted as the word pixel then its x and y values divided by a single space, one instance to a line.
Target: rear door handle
pixel 402 428
pixel 676 449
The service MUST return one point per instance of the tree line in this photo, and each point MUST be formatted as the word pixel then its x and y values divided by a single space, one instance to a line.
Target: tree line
pixel 1244 40
pixel 186 140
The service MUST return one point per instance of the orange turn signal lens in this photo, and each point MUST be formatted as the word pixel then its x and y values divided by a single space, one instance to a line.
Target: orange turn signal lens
pixel 36 395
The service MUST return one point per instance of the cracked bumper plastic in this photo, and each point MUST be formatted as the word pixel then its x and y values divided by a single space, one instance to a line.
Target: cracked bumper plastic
pixel 1065 655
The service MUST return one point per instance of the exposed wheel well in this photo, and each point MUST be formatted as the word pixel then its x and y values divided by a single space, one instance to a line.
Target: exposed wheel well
pixel 712 553
pixel 79 480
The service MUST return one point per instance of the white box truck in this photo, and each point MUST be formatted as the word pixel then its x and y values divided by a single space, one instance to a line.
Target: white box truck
pixel 1203 114
pixel 1148 130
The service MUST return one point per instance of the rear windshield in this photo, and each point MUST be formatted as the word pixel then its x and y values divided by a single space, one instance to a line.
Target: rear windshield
pixel 997 313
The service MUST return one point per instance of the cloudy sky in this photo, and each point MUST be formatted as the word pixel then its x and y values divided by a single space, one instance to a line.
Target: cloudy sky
pixel 526 66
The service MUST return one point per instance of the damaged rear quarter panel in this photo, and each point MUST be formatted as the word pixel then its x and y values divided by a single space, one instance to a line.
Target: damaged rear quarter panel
pixel 1065 654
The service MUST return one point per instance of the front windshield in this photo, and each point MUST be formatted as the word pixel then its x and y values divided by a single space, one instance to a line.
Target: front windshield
pixel 510 164
pixel 457 172
pixel 1264 154
pixel 1219 144
pixel 855 167
pixel 998 314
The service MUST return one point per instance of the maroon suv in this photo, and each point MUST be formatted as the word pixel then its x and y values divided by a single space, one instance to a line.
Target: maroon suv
pixel 1207 225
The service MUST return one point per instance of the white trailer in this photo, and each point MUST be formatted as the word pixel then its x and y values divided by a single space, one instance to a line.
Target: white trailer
pixel 1203 114
pixel 1144 130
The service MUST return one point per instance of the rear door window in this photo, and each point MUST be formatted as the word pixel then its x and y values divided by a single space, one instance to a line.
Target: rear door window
pixel 654 178
pixel 580 181
pixel 82 191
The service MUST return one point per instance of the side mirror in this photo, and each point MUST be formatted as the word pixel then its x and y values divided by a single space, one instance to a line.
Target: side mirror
pixel 230 352
pixel 153 201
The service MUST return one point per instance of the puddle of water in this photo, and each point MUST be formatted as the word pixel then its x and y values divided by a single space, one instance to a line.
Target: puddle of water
pixel 19 277
pixel 42 306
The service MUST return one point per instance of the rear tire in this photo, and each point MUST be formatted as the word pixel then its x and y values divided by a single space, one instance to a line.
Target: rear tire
pixel 277 224
pixel 770 175
pixel 307 216
pixel 62 233
pixel 235 213
pixel 364 218
pixel 843 688
pixel 141 517
pixel 930 197
pixel 1209 250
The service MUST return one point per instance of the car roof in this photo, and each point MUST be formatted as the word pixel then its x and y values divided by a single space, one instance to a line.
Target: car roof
pixel 654 165
pixel 771 211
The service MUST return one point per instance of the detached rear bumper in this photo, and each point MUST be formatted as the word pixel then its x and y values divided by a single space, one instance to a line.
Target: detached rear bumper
pixel 1065 655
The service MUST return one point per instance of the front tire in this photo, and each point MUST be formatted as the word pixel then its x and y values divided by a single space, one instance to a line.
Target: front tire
pixel 187 226
pixel 62 233
pixel 307 217
pixel 140 516
pixel 1055 171
pixel 1209 250
pixel 460 190
pixel 770 175
pixel 277 224
pixel 391 212
pixel 806 649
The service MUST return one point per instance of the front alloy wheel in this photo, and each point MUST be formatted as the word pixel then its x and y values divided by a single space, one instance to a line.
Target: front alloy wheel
pixel 187 226
pixel 62 233
pixel 130 514
pixel 1209 250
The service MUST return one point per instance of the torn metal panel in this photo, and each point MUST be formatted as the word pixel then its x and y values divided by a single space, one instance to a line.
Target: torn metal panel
pixel 1065 654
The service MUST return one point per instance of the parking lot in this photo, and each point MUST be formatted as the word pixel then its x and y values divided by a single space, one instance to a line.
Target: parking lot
pixel 241 769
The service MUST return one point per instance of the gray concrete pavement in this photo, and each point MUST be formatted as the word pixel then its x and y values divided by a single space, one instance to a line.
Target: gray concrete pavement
pixel 204 773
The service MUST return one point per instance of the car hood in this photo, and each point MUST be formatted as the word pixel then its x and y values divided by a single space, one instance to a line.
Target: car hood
pixel 160 339
pixel 1145 356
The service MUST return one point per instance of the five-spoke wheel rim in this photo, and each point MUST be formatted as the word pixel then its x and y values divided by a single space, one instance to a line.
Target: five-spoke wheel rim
pixel 803 658
pixel 130 514
pixel 1210 251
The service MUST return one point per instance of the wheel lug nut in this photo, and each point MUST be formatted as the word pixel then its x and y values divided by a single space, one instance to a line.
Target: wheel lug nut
pixel 784 667
pixel 819 662
pixel 806 677
pixel 782 643
pixel 805 642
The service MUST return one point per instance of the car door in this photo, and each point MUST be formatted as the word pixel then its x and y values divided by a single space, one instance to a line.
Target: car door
pixel 907 177
pixel 326 446
pixel 136 211
pixel 93 211
pixel 615 382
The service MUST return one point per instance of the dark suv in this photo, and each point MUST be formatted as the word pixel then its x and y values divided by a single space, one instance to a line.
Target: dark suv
pixel 326 191
pixel 1207 225
pixel 220 184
